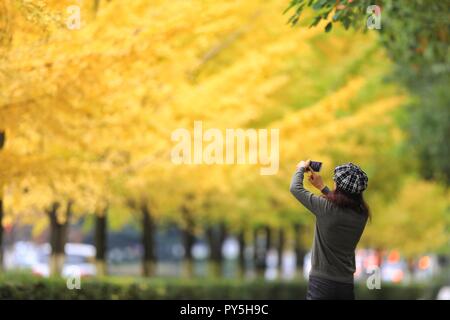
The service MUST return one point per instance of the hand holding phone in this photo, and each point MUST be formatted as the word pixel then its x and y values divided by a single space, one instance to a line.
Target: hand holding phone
pixel 315 166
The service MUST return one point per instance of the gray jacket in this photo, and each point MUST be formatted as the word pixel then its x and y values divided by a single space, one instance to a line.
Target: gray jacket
pixel 336 235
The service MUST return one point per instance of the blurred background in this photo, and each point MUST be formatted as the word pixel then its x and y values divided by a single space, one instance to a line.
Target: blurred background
pixel 91 91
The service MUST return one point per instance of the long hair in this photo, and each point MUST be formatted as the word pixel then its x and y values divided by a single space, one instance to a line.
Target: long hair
pixel 354 201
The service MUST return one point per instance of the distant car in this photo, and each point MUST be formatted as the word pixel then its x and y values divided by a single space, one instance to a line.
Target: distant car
pixel 394 268
pixel 444 293
pixel 79 259
pixel 426 267
pixel 22 255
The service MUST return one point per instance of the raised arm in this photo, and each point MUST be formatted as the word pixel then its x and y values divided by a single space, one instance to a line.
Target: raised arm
pixel 317 205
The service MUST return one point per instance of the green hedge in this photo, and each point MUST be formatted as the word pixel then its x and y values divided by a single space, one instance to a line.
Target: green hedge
pixel 21 286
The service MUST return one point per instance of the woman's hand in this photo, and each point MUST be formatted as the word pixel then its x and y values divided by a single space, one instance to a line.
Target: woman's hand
pixel 304 164
pixel 316 180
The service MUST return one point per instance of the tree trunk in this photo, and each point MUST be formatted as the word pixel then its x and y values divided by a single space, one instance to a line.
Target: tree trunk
pixel 242 260
pixel 379 253
pixel 188 242
pixel 261 249
pixel 258 254
pixel 298 247
pixel 101 225
pixel 216 237
pixel 269 238
pixel 280 248
pixel 2 143
pixel 1 229
pixel 58 238
pixel 148 235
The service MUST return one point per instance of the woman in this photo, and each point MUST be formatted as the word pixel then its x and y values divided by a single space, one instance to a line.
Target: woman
pixel 341 216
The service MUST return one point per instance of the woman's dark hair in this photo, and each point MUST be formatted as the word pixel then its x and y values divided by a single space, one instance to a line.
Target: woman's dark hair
pixel 354 201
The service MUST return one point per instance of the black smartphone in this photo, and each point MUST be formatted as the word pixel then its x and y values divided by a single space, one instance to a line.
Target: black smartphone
pixel 2 139
pixel 315 165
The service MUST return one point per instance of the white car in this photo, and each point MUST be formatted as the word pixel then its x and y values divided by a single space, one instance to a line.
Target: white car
pixel 22 255
pixel 79 260
pixel 444 293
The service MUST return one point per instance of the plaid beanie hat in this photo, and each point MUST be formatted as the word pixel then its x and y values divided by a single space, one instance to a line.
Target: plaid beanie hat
pixel 350 178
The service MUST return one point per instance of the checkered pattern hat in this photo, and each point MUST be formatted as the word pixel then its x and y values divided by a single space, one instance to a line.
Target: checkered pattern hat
pixel 350 178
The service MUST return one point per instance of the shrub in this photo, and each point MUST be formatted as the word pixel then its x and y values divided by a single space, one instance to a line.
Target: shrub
pixel 22 286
